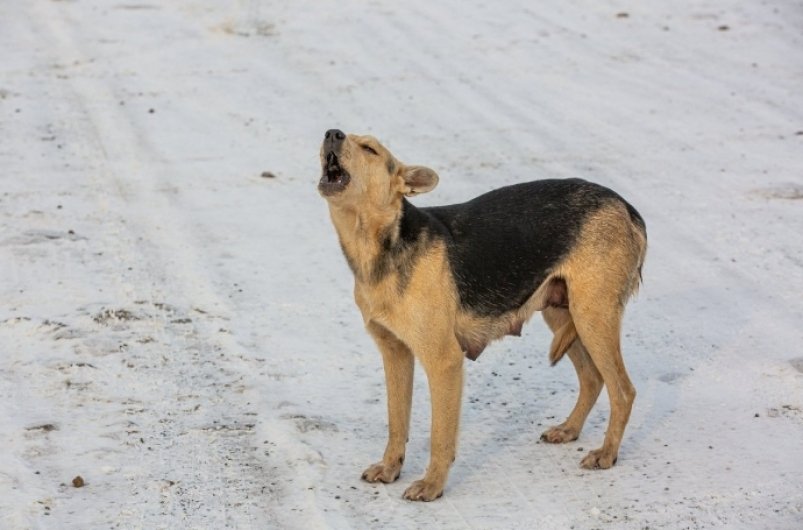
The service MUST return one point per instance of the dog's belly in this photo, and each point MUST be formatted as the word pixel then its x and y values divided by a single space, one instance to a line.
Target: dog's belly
pixel 474 332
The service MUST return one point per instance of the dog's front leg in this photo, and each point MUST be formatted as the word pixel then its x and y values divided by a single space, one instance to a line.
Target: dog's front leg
pixel 398 362
pixel 444 368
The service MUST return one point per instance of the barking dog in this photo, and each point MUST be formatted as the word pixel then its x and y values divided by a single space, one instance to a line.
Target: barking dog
pixel 438 284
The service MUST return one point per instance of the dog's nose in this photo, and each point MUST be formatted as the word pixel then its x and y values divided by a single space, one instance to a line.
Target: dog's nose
pixel 333 140
pixel 334 135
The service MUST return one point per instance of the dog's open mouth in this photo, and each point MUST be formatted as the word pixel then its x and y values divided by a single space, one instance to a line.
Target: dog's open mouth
pixel 334 178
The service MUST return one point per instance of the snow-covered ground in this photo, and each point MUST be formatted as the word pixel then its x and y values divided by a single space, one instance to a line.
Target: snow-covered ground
pixel 178 330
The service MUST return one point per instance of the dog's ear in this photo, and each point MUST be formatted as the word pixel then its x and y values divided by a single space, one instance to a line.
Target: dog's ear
pixel 418 179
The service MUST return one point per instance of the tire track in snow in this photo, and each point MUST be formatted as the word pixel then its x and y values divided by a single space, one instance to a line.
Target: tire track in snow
pixel 202 464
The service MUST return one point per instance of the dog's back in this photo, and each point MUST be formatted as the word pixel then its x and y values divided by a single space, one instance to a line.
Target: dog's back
pixel 502 245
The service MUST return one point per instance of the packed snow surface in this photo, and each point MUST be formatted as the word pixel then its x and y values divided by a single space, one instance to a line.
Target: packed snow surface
pixel 177 325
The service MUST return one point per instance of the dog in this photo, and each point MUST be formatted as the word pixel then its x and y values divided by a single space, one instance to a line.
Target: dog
pixel 438 284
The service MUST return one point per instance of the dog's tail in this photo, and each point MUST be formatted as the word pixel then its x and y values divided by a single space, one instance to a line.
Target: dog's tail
pixel 562 341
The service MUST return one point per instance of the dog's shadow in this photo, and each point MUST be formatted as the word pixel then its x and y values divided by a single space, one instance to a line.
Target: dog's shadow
pixel 512 396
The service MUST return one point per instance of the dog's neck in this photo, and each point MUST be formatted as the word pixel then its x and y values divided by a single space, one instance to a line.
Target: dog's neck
pixel 366 235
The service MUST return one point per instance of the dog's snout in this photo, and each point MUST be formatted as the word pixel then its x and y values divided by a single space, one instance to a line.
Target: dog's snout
pixel 335 136
pixel 333 140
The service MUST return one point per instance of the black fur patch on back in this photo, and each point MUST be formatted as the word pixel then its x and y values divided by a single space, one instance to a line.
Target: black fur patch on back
pixel 502 244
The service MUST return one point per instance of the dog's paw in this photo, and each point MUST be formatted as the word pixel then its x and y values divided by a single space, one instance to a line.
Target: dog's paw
pixel 598 459
pixel 560 434
pixel 380 472
pixel 423 490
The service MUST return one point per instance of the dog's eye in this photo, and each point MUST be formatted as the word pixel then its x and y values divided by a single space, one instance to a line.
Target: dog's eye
pixel 369 149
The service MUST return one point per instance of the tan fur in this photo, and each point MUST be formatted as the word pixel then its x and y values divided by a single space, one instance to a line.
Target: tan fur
pixel 562 341
pixel 412 311
pixel 597 297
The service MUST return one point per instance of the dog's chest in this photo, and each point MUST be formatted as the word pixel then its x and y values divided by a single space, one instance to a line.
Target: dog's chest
pixel 375 302
pixel 422 297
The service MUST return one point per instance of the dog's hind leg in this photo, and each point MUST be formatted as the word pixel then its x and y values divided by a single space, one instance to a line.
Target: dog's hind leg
pixel 587 375
pixel 398 362
pixel 597 314
pixel 443 364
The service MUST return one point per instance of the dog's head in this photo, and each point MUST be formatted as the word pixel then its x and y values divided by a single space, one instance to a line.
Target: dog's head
pixel 359 171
